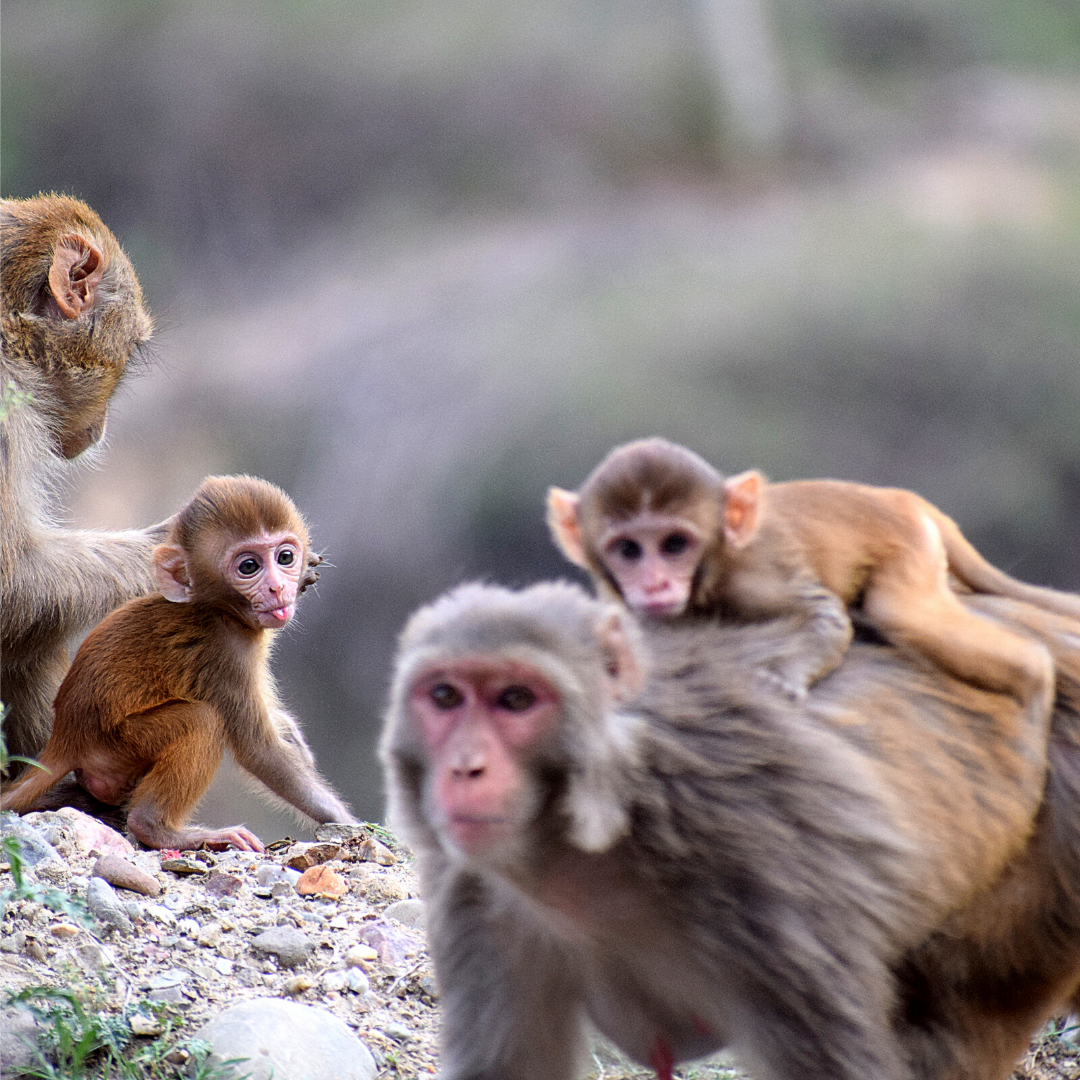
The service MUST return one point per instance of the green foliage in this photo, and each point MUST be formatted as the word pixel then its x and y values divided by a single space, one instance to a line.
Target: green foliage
pixel 84 1042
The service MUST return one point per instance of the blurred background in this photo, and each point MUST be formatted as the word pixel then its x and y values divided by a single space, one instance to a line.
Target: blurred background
pixel 417 261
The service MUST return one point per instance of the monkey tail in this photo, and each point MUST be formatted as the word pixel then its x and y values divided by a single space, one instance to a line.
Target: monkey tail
pixel 25 792
pixel 977 574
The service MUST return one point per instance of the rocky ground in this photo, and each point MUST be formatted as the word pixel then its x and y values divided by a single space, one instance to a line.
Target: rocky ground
pixel 136 952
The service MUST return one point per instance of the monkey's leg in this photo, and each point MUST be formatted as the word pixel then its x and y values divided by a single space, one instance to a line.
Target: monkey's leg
pixel 187 746
pixel 911 603
pixel 29 687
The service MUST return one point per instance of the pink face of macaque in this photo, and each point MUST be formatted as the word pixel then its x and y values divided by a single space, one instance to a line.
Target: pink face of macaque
pixel 653 558
pixel 266 571
pixel 481 721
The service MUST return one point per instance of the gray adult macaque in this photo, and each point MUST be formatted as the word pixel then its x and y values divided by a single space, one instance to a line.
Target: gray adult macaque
pixel 866 885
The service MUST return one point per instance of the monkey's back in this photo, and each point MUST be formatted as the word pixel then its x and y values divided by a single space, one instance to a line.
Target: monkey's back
pixel 146 653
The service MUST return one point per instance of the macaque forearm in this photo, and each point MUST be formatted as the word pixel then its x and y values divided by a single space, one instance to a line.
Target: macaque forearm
pixel 74 578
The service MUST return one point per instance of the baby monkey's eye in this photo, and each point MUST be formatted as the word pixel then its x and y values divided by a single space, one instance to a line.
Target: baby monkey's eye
pixel 248 567
pixel 628 549
pixel 446 696
pixel 286 557
pixel 517 699
pixel 675 544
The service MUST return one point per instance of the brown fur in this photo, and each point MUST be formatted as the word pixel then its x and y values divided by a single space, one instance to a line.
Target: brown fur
pixel 845 889
pixel 159 688
pixel 71 316
pixel 809 548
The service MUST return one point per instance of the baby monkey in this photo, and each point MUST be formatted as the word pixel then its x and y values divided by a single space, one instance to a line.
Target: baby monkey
pixel 164 683
pixel 665 533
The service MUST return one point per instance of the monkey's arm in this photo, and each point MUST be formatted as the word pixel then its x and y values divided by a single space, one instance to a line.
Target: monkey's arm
pixel 511 998
pixel 821 637
pixel 273 750
pixel 68 580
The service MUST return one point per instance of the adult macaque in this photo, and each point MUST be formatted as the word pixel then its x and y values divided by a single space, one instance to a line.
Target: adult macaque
pixel 163 684
pixel 841 890
pixel 665 533
pixel 71 316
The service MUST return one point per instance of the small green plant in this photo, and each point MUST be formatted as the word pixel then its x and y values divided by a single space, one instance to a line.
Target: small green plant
pixel 83 1042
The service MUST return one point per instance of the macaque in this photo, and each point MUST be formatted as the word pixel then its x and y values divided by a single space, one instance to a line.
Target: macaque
pixel 661 530
pixel 842 889
pixel 162 685
pixel 71 317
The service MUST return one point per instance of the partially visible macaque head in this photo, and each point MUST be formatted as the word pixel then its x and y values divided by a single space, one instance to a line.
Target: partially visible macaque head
pixel 240 544
pixel 496 714
pixel 645 520
pixel 72 306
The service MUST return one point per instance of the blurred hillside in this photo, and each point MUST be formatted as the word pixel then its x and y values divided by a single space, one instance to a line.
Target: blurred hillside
pixel 417 262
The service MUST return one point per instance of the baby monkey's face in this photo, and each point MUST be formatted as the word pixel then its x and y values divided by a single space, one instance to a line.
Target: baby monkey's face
pixel 653 558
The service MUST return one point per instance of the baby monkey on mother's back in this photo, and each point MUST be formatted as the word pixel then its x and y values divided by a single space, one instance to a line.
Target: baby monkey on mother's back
pixel 166 682
pixel 661 530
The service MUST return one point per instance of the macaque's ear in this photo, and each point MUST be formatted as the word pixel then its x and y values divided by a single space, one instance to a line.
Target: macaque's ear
pixel 623 667
pixel 170 568
pixel 562 519
pixel 75 274
pixel 742 507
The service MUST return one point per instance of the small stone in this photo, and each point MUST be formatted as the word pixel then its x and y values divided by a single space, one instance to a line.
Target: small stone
pixel 389 943
pixel 406 912
pixel 322 881
pixel 34 849
pixel 63 930
pixel 35 951
pixel 291 947
pixel 335 981
pixel 263 892
pixel 282 888
pixel 19 1032
pixel 224 967
pixel 304 856
pixel 169 977
pixel 334 830
pixel 188 926
pixel 160 913
pixel 169 995
pixel 179 1056
pixel 361 954
pixel 89 834
pixel 56 873
pixel 90 956
pixel 297 984
pixel 270 873
pixel 209 936
pixel 286 1040
pixel 227 952
pixel 428 984
pixel 357 981
pixel 105 906
pixel 142 1024
pixel 221 884
pixel 125 875
pixel 372 851
pixel 398 1032
pixel 183 866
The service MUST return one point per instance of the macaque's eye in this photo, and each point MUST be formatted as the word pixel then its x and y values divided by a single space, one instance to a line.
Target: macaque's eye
pixel 248 566
pixel 517 699
pixel 675 544
pixel 629 549
pixel 286 557
pixel 446 696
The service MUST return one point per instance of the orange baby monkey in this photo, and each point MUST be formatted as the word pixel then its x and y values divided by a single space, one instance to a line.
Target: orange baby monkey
pixel 664 532
pixel 163 684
